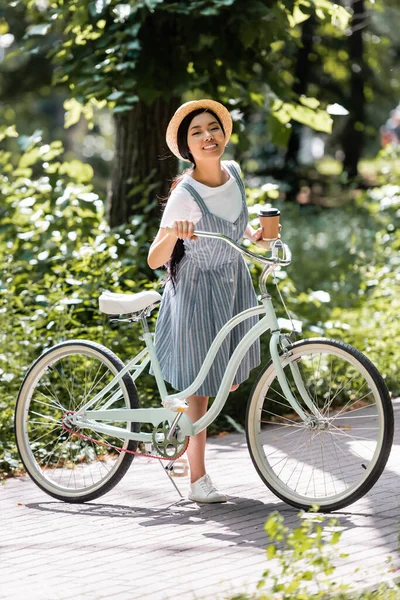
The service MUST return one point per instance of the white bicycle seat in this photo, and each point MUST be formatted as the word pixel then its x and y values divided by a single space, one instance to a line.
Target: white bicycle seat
pixel 124 304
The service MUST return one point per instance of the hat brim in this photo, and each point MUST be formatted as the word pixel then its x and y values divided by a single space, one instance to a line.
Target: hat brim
pixel 173 126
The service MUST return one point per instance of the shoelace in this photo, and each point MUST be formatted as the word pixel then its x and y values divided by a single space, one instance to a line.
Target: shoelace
pixel 208 486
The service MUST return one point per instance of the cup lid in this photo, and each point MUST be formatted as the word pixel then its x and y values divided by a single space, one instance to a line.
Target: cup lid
pixel 269 212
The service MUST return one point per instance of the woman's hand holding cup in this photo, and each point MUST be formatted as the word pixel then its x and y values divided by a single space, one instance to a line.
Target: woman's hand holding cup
pixel 257 238
pixel 269 221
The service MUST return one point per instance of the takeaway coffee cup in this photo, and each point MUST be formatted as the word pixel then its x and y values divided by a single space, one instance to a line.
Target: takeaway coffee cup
pixel 269 221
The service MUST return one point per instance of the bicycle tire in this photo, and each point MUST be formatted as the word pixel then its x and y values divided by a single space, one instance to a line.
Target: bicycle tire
pixel 45 395
pixel 285 451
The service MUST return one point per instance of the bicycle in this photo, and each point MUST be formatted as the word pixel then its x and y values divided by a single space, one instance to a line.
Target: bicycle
pixel 319 422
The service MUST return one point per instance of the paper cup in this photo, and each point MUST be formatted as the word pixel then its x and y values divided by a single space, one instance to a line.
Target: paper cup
pixel 269 221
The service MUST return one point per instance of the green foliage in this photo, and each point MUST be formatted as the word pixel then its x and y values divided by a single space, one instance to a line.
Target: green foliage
pixel 104 51
pixel 372 321
pixel 57 254
pixel 301 559
pixel 302 563
pixel 344 278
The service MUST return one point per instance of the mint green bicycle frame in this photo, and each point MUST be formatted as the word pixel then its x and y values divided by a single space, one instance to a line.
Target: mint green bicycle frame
pixel 87 418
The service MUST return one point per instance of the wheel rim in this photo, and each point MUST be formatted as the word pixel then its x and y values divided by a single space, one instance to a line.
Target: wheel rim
pixel 63 462
pixel 329 459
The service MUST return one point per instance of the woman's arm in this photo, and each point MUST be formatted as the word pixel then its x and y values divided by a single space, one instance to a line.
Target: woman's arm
pixel 161 249
pixel 164 243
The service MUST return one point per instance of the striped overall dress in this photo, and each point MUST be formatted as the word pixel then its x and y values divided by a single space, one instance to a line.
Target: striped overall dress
pixel 212 285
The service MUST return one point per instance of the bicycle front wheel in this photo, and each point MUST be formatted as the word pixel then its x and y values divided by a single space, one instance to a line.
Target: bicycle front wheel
pixel 338 455
pixel 80 465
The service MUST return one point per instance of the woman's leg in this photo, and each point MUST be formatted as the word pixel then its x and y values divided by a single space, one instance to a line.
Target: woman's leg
pixel 196 450
pixel 197 447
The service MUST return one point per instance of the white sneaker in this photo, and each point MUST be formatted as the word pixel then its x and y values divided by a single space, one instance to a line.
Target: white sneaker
pixel 203 490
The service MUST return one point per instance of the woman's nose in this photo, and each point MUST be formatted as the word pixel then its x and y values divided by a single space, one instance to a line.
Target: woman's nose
pixel 207 135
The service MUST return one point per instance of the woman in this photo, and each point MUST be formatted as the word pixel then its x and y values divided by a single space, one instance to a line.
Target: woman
pixel 208 280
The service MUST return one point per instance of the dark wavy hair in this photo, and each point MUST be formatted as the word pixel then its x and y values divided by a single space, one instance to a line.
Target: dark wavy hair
pixel 179 249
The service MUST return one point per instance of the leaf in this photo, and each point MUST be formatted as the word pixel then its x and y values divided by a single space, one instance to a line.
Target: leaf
pixel 209 12
pixel 77 170
pixel 339 15
pixel 279 132
pixel 116 95
pixel 310 102
pixel 97 7
pixel 3 27
pixel 133 45
pixel 248 33
pixel 26 141
pixel 122 108
pixel 122 12
pixel 316 119
pixel 151 4
pixel 297 16
pixel 234 424
pixel 29 158
pixel 8 131
pixel 42 29
pixel 73 112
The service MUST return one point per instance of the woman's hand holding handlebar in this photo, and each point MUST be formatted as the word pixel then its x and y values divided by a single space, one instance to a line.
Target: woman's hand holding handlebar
pixel 164 243
pixel 182 229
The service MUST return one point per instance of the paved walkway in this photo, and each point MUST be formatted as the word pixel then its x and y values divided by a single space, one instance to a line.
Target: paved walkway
pixel 140 542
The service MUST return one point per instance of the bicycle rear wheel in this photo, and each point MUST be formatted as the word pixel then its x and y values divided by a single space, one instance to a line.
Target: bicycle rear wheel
pixel 62 463
pixel 333 460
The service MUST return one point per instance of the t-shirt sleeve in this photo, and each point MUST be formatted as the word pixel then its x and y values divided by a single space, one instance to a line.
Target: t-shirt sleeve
pixel 180 207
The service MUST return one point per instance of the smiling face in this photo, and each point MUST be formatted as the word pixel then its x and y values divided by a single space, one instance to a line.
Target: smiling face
pixel 205 137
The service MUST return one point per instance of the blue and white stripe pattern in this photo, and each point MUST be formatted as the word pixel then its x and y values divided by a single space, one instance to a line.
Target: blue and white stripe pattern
pixel 213 284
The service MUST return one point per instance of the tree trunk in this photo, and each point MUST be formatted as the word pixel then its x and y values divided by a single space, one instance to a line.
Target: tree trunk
pixel 143 165
pixel 301 75
pixel 353 136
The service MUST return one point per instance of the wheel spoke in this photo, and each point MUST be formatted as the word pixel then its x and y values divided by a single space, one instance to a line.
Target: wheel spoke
pixel 72 463
pixel 331 458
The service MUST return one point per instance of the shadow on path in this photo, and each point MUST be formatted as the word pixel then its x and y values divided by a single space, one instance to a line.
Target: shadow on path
pixel 240 521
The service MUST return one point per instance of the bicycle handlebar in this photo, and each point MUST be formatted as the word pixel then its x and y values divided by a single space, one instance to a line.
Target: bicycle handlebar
pixel 276 245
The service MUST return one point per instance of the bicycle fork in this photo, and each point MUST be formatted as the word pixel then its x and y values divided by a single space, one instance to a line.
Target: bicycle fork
pixel 278 340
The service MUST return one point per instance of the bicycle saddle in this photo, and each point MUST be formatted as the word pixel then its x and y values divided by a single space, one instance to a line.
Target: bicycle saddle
pixel 124 304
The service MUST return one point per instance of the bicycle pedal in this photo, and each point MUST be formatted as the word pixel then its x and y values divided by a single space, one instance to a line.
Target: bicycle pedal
pixel 180 468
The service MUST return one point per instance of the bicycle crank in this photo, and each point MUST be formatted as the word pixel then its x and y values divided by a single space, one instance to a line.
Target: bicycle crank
pixel 166 445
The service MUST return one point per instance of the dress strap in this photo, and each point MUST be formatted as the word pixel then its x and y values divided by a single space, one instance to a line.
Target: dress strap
pixel 233 171
pixel 196 197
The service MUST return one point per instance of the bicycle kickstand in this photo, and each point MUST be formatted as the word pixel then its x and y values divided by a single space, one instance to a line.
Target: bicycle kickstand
pixel 168 470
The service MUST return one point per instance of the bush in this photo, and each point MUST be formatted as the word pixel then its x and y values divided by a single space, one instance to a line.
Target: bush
pixel 57 254
pixel 301 563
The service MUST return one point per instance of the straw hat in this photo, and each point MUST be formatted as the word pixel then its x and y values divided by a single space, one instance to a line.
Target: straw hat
pixel 173 126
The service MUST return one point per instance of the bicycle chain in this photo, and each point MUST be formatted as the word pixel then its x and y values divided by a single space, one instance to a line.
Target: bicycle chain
pixel 107 445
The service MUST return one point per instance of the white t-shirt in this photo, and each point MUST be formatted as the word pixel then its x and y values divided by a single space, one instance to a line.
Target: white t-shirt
pixel 224 201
